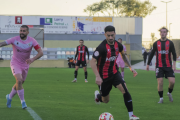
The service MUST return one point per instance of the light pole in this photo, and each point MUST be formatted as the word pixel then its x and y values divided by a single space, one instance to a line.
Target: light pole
pixel 166 10
pixel 169 30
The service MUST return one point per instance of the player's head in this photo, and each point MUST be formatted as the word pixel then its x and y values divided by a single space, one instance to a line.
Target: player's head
pixel 81 42
pixel 24 31
pixel 120 40
pixel 163 32
pixel 110 34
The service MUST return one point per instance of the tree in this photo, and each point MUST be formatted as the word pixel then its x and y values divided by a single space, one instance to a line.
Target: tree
pixel 121 8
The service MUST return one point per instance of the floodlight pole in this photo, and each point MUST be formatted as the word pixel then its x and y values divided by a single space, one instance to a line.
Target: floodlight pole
pixel 166 10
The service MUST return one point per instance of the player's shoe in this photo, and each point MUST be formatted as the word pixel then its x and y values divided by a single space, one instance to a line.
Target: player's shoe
pixel 74 81
pixel 24 106
pixel 160 101
pixel 170 97
pixel 133 117
pixel 8 101
pixel 86 81
pixel 96 99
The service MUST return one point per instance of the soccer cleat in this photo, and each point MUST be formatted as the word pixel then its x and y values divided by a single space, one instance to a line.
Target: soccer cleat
pixel 86 81
pixel 133 117
pixel 74 81
pixel 160 101
pixel 170 97
pixel 8 101
pixel 24 106
pixel 96 99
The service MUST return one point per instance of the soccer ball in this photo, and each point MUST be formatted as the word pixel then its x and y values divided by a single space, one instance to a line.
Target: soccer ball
pixel 106 116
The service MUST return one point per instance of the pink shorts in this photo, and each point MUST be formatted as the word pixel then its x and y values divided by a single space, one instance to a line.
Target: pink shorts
pixel 16 69
pixel 122 64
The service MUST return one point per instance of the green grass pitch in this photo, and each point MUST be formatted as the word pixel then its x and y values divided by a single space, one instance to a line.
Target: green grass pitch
pixel 52 95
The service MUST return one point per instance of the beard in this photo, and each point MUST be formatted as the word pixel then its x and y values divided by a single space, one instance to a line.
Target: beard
pixel 22 36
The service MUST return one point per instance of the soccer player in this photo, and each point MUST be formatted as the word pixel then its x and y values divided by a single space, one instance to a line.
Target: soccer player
pixel 163 48
pixel 81 59
pixel 120 61
pixel 106 70
pixel 22 46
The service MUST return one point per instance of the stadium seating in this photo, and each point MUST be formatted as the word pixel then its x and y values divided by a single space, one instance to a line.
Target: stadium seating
pixel 49 53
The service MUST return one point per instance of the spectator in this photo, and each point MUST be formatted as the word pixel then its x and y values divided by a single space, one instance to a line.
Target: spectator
pixel 145 56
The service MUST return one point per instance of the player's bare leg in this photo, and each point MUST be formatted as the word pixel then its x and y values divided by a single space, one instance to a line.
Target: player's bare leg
pixel 20 90
pixel 122 72
pixel 75 73
pixel 171 86
pixel 127 100
pixel 160 89
pixel 85 73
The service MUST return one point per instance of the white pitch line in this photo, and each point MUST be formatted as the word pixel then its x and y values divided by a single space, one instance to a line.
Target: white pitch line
pixel 33 114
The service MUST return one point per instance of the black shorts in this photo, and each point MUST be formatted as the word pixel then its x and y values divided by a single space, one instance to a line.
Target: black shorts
pixel 114 80
pixel 167 71
pixel 81 62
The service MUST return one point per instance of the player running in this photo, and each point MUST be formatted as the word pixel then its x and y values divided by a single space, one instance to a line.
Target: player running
pixel 120 61
pixel 81 59
pixel 22 47
pixel 106 70
pixel 163 49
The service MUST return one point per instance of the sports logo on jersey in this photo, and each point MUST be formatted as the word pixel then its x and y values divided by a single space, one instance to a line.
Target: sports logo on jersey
pixel 113 58
pixel 163 52
pixel 117 49
pixel 46 21
pixel 158 45
pixel 21 45
pixel 96 53
pixel 167 45
pixel 81 51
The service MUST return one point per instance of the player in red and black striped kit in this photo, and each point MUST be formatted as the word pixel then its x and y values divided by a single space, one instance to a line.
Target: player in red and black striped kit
pixel 81 59
pixel 163 49
pixel 106 70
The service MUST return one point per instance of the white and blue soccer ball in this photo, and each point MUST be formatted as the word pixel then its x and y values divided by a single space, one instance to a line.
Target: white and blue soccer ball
pixel 106 116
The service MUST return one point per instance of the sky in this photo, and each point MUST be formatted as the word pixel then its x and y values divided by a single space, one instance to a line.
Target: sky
pixel 151 23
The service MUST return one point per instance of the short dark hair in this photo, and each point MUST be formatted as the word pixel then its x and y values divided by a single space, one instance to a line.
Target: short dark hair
pixel 81 40
pixel 25 26
pixel 109 28
pixel 120 39
pixel 163 28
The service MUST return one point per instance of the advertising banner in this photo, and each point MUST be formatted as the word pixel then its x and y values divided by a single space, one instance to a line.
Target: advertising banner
pixel 57 25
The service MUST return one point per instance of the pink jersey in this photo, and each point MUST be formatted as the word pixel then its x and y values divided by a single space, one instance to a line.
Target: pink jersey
pixel 119 60
pixel 22 49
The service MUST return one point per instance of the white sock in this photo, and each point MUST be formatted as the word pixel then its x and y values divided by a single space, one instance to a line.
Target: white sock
pixel 22 101
pixel 85 79
pixel 75 78
pixel 10 97
pixel 130 114
pixel 161 98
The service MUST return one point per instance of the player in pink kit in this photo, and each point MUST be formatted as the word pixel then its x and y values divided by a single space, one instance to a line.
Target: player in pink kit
pixel 22 47
pixel 120 61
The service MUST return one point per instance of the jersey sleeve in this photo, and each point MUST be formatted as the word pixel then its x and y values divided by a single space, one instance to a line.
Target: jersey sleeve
pixel 10 41
pixel 120 47
pixel 36 45
pixel 172 49
pixel 98 52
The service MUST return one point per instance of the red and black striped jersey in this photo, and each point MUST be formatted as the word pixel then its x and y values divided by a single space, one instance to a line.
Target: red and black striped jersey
pixel 81 53
pixel 163 50
pixel 106 56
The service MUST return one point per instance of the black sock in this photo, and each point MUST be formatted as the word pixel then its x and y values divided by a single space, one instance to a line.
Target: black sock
pixel 170 90
pixel 85 73
pixel 75 74
pixel 128 101
pixel 99 97
pixel 160 94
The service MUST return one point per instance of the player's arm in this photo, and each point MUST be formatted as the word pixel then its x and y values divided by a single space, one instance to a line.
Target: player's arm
pixel 174 55
pixel 125 59
pixel 87 52
pixel 97 53
pixel 3 44
pixel 76 53
pixel 151 55
pixel 40 54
